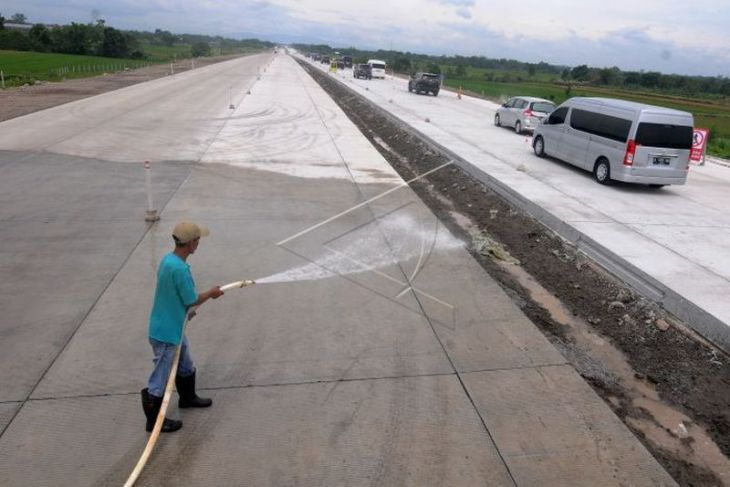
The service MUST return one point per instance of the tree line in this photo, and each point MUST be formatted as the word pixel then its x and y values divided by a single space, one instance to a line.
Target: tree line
pixel 100 39
pixel 456 67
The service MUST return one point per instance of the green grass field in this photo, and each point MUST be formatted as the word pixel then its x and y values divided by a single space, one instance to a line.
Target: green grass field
pixel 160 53
pixel 708 113
pixel 20 67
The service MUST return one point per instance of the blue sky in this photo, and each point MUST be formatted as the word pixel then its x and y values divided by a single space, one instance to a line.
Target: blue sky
pixel 670 36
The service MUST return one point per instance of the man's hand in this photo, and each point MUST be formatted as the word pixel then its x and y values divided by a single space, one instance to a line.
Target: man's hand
pixel 192 312
pixel 215 292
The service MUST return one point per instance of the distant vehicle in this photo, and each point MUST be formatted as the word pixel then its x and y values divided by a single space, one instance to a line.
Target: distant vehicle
pixel 425 83
pixel 363 71
pixel 378 68
pixel 523 113
pixel 325 60
pixel 316 56
pixel 347 60
pixel 340 64
pixel 619 140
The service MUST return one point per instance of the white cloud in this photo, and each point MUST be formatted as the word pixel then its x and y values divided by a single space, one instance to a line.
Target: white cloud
pixel 666 35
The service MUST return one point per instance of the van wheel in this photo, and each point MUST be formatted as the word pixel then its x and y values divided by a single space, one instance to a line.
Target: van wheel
pixel 539 146
pixel 496 121
pixel 602 171
pixel 518 127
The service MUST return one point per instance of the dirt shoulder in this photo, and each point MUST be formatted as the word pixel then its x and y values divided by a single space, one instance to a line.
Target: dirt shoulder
pixel 15 102
pixel 670 387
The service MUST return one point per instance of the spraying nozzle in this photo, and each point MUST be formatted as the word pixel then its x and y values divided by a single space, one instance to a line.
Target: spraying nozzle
pixel 233 285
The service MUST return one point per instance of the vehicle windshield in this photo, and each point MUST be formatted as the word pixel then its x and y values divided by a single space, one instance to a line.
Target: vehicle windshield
pixel 664 135
pixel 429 75
pixel 543 106
pixel 378 66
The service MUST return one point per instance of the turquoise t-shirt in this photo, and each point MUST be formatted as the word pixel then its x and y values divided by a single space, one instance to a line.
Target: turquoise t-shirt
pixel 174 294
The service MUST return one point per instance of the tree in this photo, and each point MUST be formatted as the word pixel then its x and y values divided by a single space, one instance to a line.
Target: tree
pixel 434 68
pixel 580 73
pixel 165 37
pixel 460 71
pixel 18 19
pixel 114 43
pixel 40 36
pixel 2 22
pixel 531 68
pixel 199 49
pixel 402 64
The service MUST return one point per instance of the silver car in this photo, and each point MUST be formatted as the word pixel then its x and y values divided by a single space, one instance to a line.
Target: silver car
pixel 523 113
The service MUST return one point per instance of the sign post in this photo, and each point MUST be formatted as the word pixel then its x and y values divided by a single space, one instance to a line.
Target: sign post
pixel 699 146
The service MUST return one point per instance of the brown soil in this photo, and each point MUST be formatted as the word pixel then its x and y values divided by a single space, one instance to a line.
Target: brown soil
pixel 669 386
pixel 22 100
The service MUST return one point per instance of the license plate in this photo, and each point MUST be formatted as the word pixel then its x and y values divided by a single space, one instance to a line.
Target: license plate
pixel 662 160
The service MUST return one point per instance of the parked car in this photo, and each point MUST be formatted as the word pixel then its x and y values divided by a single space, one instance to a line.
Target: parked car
pixel 425 83
pixel 619 140
pixel 523 113
pixel 362 71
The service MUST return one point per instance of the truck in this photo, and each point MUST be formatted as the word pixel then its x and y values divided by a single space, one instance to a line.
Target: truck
pixel 347 59
pixel 425 83
pixel 362 71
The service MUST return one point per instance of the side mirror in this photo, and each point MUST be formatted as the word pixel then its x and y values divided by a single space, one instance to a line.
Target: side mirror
pixel 504 105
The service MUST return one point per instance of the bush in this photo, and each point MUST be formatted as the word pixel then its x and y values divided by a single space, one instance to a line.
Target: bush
pixel 199 49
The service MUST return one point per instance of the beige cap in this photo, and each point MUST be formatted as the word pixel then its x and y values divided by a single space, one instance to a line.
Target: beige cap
pixel 184 232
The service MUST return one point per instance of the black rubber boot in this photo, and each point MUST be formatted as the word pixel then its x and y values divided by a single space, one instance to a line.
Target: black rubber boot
pixel 151 405
pixel 188 397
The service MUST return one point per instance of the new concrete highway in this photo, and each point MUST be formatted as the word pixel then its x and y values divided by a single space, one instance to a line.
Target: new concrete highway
pixel 672 245
pixel 383 355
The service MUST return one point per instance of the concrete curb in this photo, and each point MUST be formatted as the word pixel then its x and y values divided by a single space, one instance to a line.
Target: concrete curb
pixel 704 323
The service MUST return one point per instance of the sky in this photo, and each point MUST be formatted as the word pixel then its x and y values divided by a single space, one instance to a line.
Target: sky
pixel 670 36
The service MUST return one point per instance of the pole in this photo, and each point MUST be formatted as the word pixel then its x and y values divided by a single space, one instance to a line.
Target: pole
pixel 152 215
pixel 2 78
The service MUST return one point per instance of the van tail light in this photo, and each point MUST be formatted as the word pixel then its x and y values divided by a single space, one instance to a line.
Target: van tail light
pixel 528 113
pixel 630 151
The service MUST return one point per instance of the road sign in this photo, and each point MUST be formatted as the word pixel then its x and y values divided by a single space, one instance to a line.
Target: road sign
pixel 699 145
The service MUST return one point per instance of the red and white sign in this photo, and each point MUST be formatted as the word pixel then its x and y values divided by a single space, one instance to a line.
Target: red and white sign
pixel 699 144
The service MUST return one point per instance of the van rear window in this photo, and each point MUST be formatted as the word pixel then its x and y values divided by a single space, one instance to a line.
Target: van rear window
pixel 662 135
pixel 378 66
pixel 613 128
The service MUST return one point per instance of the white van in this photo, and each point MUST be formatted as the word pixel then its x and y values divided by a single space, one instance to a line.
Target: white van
pixel 378 68
pixel 619 140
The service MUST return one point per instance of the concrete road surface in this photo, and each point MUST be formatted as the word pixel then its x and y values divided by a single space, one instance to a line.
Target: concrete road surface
pixel 379 353
pixel 670 244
